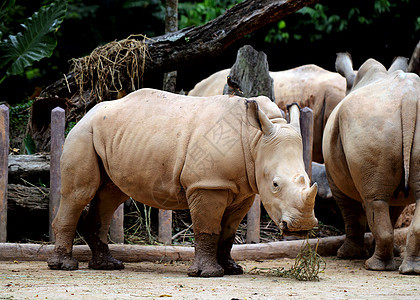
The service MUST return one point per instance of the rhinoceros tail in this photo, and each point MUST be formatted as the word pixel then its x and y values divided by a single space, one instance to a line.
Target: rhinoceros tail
pixel 408 122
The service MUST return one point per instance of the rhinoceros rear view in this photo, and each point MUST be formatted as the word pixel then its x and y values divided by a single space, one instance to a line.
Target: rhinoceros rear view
pixel 372 156
pixel 177 152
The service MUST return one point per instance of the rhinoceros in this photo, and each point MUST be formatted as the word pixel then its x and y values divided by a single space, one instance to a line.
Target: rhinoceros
pixel 308 85
pixel 209 155
pixel 371 148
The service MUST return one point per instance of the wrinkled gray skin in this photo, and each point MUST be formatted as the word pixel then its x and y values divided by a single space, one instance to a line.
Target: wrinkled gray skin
pixel 320 177
pixel 371 148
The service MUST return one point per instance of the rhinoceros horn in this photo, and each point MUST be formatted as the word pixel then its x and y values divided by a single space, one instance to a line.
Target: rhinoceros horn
pixel 399 63
pixel 344 67
pixel 294 115
pixel 310 195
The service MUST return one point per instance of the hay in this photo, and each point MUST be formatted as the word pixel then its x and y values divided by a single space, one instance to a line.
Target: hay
pixel 116 67
pixel 308 264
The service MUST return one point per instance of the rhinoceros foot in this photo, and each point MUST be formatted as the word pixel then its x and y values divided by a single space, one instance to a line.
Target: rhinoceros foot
pixel 376 264
pixel 62 261
pixel 105 262
pixel 232 268
pixel 351 249
pixel 205 269
pixel 410 267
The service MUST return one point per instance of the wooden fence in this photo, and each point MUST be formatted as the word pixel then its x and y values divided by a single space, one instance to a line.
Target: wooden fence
pixel 117 229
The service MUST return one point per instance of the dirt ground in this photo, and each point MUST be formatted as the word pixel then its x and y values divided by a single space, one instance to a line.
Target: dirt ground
pixel 342 279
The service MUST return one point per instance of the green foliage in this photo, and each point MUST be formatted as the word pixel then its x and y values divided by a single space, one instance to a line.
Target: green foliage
pixel 30 147
pixel 19 114
pixel 36 41
pixel 199 13
pixel 320 20
pixel 70 126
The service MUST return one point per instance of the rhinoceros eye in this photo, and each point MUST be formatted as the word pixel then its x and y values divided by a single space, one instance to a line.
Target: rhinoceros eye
pixel 276 185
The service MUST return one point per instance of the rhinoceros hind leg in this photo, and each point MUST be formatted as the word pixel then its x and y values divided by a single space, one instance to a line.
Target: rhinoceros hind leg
pixel 205 263
pixel 355 223
pixel 410 267
pixel 411 262
pixel 351 249
pixel 59 260
pixel 376 264
pixel 96 226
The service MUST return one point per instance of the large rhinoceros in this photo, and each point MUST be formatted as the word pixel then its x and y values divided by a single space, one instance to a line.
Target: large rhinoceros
pixel 308 85
pixel 177 152
pixel 372 156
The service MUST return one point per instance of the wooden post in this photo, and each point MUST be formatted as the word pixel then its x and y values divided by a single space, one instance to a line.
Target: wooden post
pixel 253 222
pixel 169 84
pixel 116 230
pixel 165 226
pixel 307 132
pixel 4 153
pixel 58 123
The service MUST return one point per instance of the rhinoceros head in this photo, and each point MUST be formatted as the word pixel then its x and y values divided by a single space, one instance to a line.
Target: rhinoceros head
pixel 282 182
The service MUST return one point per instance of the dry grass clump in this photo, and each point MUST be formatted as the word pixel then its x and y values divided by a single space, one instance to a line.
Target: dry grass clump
pixel 308 264
pixel 112 68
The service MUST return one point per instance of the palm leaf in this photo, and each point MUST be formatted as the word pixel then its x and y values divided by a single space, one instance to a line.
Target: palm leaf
pixel 36 41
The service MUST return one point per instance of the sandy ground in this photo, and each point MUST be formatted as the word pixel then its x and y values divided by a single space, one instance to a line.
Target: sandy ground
pixel 342 279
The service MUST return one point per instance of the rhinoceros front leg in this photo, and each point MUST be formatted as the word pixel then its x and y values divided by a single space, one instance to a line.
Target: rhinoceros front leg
pixel 207 208
pixel 377 212
pixel 96 226
pixel 411 262
pixel 231 220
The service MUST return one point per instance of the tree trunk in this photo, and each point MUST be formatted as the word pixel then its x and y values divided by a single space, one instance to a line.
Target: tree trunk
pixel 171 25
pixel 251 73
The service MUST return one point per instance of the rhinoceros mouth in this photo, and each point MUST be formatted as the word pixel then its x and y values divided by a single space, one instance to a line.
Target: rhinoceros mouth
pixel 301 233
pixel 298 233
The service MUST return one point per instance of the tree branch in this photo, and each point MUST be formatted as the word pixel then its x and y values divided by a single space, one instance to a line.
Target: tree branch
pixel 174 50
pixel 184 47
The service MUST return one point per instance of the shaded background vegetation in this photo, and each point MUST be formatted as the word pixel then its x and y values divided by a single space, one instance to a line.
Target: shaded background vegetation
pixel 370 28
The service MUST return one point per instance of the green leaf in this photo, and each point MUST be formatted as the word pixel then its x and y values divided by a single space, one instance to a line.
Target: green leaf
pixel 35 42
pixel 29 145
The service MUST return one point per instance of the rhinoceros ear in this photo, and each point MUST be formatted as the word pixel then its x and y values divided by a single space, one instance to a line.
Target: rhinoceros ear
pixel 399 63
pixel 257 118
pixel 344 67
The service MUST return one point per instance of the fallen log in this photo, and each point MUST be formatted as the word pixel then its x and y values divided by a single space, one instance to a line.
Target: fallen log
pixel 28 198
pixel 136 253
pixel 28 167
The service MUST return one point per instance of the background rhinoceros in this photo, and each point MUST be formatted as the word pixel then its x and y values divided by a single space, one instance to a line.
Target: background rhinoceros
pixel 176 152
pixel 372 156
pixel 307 85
